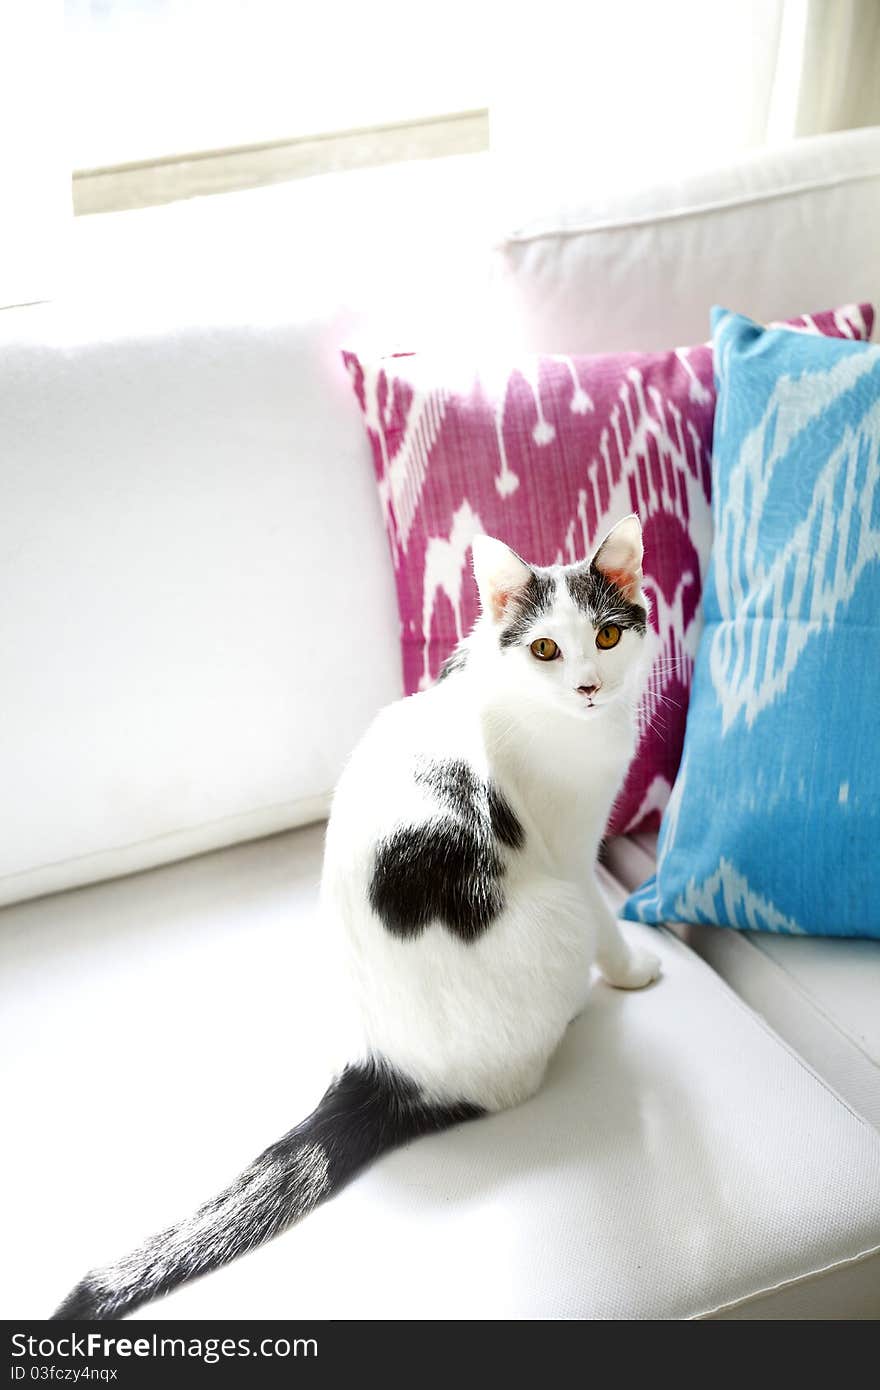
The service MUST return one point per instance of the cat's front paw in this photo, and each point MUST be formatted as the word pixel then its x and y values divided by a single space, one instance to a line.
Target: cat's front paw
pixel 640 968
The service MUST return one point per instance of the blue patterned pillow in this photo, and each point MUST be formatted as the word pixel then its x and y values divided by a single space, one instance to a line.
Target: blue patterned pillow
pixel 774 820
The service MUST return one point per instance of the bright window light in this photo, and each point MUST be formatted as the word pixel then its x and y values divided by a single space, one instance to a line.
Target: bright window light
pixel 154 78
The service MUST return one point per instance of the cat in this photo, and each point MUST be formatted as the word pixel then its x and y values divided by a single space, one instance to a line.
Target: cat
pixel 459 893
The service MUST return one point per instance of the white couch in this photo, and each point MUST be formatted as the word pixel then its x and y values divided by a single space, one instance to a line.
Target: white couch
pixel 188 505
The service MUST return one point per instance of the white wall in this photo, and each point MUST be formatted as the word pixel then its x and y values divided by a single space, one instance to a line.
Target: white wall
pixel 35 200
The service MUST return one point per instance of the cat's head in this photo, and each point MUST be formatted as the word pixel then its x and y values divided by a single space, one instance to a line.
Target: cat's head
pixel 571 636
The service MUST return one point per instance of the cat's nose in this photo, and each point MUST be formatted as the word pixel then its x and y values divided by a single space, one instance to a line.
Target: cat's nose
pixel 589 690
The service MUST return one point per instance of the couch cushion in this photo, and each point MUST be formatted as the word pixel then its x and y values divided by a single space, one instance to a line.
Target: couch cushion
pixel 768 232
pixel 181 462
pixel 773 822
pixel 843 978
pixel 820 995
pixel 679 1161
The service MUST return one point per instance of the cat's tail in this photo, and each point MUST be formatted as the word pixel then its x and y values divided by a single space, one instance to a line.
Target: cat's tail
pixel 369 1109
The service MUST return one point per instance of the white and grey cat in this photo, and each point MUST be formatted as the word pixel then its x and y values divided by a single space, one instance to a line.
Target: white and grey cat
pixel 459 887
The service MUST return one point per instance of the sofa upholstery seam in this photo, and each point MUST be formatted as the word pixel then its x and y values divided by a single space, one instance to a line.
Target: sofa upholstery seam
pixel 796 1279
pixel 167 835
pixel 696 210
pixel 810 999
pixel 726 989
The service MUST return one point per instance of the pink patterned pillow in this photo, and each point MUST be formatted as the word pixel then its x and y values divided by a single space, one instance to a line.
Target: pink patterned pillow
pixel 547 455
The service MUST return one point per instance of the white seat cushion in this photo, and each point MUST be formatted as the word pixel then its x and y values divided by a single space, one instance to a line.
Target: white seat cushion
pixel 842 978
pixel 821 994
pixel 157 1031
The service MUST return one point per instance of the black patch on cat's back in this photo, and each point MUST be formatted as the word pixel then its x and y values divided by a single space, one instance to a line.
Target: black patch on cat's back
pixel 447 869
pixel 504 822
pixel 452 782
pixel 460 789
pixel 440 871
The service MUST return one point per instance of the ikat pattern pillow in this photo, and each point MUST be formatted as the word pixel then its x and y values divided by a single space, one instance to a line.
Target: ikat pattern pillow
pixel 774 821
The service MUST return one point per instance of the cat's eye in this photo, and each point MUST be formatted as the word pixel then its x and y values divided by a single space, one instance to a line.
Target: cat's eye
pixel 608 636
pixel 545 649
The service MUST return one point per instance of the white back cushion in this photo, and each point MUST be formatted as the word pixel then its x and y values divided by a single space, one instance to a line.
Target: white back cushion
pixel 784 232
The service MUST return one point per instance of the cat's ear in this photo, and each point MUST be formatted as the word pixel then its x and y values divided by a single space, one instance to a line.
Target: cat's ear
pixel 500 574
pixel 619 557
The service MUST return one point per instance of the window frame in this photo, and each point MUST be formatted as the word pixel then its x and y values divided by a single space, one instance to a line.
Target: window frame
pixel 146 183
